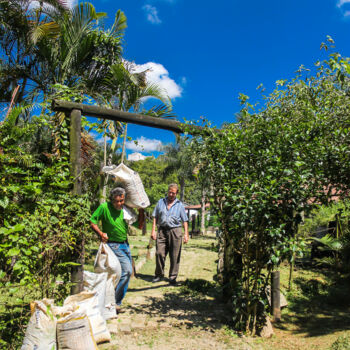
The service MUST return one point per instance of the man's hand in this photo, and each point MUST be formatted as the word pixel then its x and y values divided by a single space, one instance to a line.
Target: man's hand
pixel 186 236
pixel 153 232
pixel 104 237
pixel 154 235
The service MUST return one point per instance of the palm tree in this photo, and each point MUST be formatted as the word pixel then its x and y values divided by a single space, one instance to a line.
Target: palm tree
pixel 44 46
pixel 20 26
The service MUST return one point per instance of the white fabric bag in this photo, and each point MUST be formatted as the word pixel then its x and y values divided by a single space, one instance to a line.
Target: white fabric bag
pixel 105 288
pixel 130 180
pixel 107 261
pixel 74 332
pixel 97 282
pixel 88 301
pixel 41 330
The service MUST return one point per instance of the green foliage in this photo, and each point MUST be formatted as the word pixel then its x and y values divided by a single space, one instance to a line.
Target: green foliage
pixel 150 171
pixel 12 319
pixel 322 215
pixel 42 226
pixel 268 169
pixel 342 343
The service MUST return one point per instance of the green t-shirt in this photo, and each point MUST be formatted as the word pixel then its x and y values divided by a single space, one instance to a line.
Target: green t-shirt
pixel 112 222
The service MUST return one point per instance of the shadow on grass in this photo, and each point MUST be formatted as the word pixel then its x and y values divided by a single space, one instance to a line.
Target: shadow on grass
pixel 195 303
pixel 212 247
pixel 319 306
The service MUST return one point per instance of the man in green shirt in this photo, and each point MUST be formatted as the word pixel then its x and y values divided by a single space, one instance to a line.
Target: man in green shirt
pixel 115 219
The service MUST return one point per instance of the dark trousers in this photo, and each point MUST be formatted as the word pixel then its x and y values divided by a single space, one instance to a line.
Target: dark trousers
pixel 169 240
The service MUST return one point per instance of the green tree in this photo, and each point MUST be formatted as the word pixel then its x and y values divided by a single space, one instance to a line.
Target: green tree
pixel 268 169
pixel 179 161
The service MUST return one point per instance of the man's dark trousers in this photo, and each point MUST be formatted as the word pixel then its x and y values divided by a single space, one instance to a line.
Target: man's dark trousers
pixel 169 240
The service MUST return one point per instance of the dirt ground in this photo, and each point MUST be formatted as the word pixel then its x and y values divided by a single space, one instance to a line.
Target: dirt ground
pixel 191 314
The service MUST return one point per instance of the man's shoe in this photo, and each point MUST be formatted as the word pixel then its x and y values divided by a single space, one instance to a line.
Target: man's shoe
pixel 172 282
pixel 119 309
pixel 157 279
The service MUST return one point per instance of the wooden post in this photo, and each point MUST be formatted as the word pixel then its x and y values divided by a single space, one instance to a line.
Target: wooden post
pixel 75 149
pixel 193 223
pixel 275 296
pixel 75 161
pixel 144 228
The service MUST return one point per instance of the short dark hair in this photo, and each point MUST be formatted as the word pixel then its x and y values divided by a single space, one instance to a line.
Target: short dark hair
pixel 116 192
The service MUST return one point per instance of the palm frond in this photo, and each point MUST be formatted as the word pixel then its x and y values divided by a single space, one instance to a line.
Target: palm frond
pixel 329 243
pixel 160 111
pixel 119 24
pixel 50 30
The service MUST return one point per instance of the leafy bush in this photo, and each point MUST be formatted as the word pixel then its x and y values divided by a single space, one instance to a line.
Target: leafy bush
pixel 265 171
pixel 342 343
pixel 322 215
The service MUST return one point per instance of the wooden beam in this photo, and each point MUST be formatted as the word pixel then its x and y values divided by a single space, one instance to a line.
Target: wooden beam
pixel 126 117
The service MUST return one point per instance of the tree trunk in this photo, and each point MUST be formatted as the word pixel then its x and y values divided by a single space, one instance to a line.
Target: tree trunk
pixel 233 267
pixel 104 177
pixel 182 189
pixel 203 212
pixel 124 142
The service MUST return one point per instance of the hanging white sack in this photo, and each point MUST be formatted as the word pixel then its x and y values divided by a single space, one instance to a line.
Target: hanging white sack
pixel 130 180
pixel 88 301
pixel 107 261
pixel 74 332
pixel 41 330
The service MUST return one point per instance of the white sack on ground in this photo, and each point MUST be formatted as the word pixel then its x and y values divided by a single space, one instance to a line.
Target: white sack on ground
pixel 63 311
pixel 88 302
pixel 97 282
pixel 130 180
pixel 74 332
pixel 106 261
pixel 41 330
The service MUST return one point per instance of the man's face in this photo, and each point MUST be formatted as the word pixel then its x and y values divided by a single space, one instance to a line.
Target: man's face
pixel 118 202
pixel 172 193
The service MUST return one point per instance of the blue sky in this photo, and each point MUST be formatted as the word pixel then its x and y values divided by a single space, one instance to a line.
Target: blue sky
pixel 206 53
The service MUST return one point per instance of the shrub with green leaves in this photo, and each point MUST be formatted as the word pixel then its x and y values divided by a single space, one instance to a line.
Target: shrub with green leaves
pixel 268 169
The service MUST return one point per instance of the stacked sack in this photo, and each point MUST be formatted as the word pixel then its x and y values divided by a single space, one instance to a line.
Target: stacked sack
pixel 80 323
pixel 77 325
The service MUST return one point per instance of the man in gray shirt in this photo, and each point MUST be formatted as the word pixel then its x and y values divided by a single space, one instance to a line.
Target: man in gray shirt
pixel 169 215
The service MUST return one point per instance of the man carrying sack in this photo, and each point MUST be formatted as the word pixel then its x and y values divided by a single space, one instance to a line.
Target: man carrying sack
pixel 169 215
pixel 115 219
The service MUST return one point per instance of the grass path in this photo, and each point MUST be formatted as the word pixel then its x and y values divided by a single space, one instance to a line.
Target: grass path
pixel 186 316
pixel 191 315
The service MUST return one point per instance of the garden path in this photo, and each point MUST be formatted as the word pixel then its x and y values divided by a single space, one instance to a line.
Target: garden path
pixel 187 316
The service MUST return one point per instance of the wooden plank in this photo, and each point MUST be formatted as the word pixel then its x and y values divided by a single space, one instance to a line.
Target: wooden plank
pixel 126 117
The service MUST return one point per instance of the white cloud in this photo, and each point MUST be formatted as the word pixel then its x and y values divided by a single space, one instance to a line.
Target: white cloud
pixel 71 3
pixel 136 156
pixel 68 3
pixel 144 145
pixel 159 75
pixel 151 14
pixel 342 2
